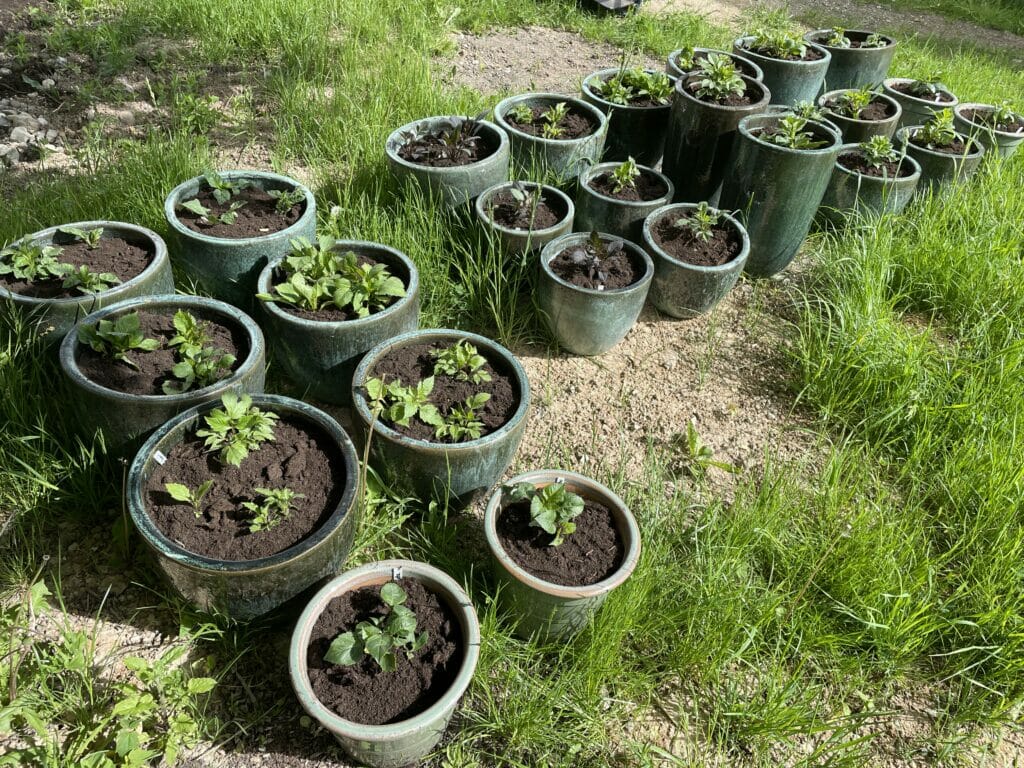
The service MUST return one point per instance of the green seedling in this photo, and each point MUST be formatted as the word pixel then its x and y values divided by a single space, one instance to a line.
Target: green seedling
pixel 852 103
pixel 632 84
pixel 462 422
pixel 32 262
pixel 237 429
pixel 206 215
pixel 938 131
pixel 91 237
pixel 778 44
pixel 223 189
pixel 552 116
pixel 878 151
pixel 521 114
pixel 189 331
pixel 700 222
pixel 808 110
pixel 553 508
pixel 697 456
pixel 719 78
pixel 198 367
pixel 874 40
pixel 526 202
pixel 273 510
pixel 364 288
pixel 1002 114
pixel 286 199
pixel 380 637
pixel 686 60
pixel 116 338
pixel 461 361
pixel 186 495
pixel 790 132
pixel 625 175
pixel 928 88
pixel 87 281
pixel 400 404
pixel 837 38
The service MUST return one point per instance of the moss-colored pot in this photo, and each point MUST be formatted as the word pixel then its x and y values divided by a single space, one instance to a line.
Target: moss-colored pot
pixel 563 158
pixel 854 130
pixel 637 132
pixel 777 191
pixel 854 67
pixel 124 417
pixel 554 611
pixel 407 741
pixel 244 589
pixel 685 290
pixel 224 267
pixel 585 321
pixel 460 184
pixel 939 168
pixel 788 81
pixel 915 111
pixel 1002 143
pixel 321 356
pixel 596 212
pixel 743 64
pixel 53 318
pixel 849 191
pixel 455 472
pixel 520 241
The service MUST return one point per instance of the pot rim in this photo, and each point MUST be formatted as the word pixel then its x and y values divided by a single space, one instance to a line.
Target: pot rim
pixel 485 197
pixel 394 141
pixel 728 266
pixel 760 104
pixel 978 105
pixel 600 73
pixel 888 82
pixel 865 32
pixel 505 104
pixel 904 134
pixel 553 248
pixel 594 170
pixel 673 59
pixel 740 43
pixel 857 120
pixel 848 149
pixel 744 129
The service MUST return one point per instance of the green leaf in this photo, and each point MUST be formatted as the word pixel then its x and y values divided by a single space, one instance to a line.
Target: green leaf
pixel 196 207
pixel 344 650
pixel 379 646
pixel 197 685
pixel 179 492
pixel 392 594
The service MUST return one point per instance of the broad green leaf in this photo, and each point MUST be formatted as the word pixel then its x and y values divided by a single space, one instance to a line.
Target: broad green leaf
pixel 344 650
pixel 179 492
pixel 392 594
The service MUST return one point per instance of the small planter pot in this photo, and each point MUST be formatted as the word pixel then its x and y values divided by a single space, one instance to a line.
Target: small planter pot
pixel 597 212
pixel 321 356
pixel 124 417
pixel 407 741
pixel 777 190
pixel 915 111
pixel 244 589
pixel 519 241
pixel 939 168
pixel 586 321
pixel 849 191
pixel 743 64
pixel 457 185
pixel 1003 143
pixel 225 267
pixel 854 67
pixel 565 158
pixel 855 130
pixel 55 317
pixel 788 81
pixel 456 472
pixel 633 131
pixel 555 611
pixel 685 290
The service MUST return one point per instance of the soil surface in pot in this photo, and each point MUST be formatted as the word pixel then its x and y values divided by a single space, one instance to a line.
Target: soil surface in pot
pixel 857 40
pixel 876 111
pixel 985 117
pixel 589 555
pixel 749 96
pixel 810 54
pixel 957 147
pixel 634 100
pixel 431 150
pixel 941 97
pixel 154 368
pixel 724 245
pixel 506 211
pixel 113 255
pixel 576 124
pixel 302 457
pixel 769 132
pixel 621 269
pixel 856 162
pixel 647 187
pixel 362 692
pixel 258 217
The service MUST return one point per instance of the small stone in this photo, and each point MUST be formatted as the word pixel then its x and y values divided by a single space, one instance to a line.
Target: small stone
pixel 49 83
pixel 51 135
pixel 22 120
pixel 669 362
pixel 125 116
pixel 5 70
pixel 12 156
pixel 21 135
pixel 42 122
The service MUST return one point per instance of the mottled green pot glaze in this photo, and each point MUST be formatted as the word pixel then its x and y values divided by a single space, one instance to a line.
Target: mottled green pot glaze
pixel 939 168
pixel 637 132
pixel 460 184
pixel 777 190
pixel 456 472
pixel 915 111
pixel 585 321
pixel 596 212
pixel 227 268
pixel 520 241
pixel 855 131
pixel 849 191
pixel 124 417
pixel 685 290
pixel 1002 143
pixel 407 741
pixel 53 318
pixel 854 67
pixel 743 64
pixel 788 81
pixel 554 611
pixel 244 589
pixel 321 356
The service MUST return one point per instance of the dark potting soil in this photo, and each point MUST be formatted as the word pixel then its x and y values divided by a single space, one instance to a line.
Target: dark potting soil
pixel 876 111
pixel 329 314
pixel 411 364
pixel 258 217
pixel 622 269
pixel 680 242
pixel 942 97
pixel 113 254
pixel 984 117
pixel 957 147
pixel 770 131
pixel 574 126
pixel 589 555
pixel 810 54
pixel 301 457
pixel 750 96
pixel 155 367
pixel 507 212
pixel 891 169
pixel 364 693
pixel 647 187
pixel 431 150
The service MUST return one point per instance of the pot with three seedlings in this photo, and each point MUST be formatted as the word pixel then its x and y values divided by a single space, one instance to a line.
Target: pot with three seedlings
pixel 996 126
pixel 860 58
pixel 523 215
pixel 615 198
pixel 794 69
pixel 861 113
pixel 943 154
pixel 636 102
pixel 871 177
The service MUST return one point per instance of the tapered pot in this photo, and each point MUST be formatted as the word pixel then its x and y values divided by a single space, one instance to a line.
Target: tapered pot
pixel 597 212
pixel 633 131
pixel 519 241
pixel 939 168
pixel 743 64
pixel 916 111
pixel 855 130
pixel 788 81
pixel 854 67
pixel 849 191
pixel 1003 143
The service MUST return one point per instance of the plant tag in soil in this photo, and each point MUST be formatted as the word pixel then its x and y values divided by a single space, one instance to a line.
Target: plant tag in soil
pixel 160 458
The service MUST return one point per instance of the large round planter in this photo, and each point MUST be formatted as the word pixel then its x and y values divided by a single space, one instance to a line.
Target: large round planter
pixel 685 290
pixel 743 64
pixel 227 268
pixel 554 611
pixel 788 81
pixel 455 472
pixel 55 317
pixel 519 241
pixel 939 168
pixel 596 212
pixel 849 191
pixel 407 741
pixel 564 158
pixel 637 132
pixel 777 191
pixel 915 111
pixel 460 184
pixel 854 130
pixel 321 356
pixel 582 320
pixel 124 417
pixel 1002 143
pixel 854 67
pixel 700 139
pixel 244 589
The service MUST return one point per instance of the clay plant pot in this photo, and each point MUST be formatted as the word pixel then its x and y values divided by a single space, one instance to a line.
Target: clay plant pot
pixel 459 184
pixel 633 131
pixel 320 356
pixel 854 67
pixel 743 64
pixel 519 241
pixel 543 608
pixel 53 318
pixel 856 130
pixel 407 741
pixel 788 81
pixel 586 321
pixel 244 589
pixel 1003 143
pixel 849 191
pixel 916 111
pixel 939 168
pixel 598 212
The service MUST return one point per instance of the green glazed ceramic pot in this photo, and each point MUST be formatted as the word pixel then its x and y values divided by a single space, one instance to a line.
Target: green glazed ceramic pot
pixel 459 184
pixel 455 472
pixel 855 130
pixel 916 111
pixel 788 81
pixel 633 131
pixel 596 212
pixel 244 589
pixel 321 356
pixel 743 64
pixel 850 191
pixel 53 318
pixel 554 611
pixel 407 741
pixel 227 268
pixel 1002 143
pixel 854 67
pixel 939 168
pixel 582 320
pixel 520 241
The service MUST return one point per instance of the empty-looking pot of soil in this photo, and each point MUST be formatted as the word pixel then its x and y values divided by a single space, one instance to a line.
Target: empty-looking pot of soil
pixel 636 102
pixel 250 218
pixel 918 99
pixel 790 74
pixel 615 198
pixel 451 158
pixel 555 589
pixel 447 411
pixel 135 364
pixel 242 520
pixel 860 58
pixel 389 712
pixel 861 114
pixel 940 163
pixel 684 61
pixel 55 277
pixel 591 289
pixel 524 215
pixel 698 255
pixel 998 128
pixel 867 184
pixel 317 343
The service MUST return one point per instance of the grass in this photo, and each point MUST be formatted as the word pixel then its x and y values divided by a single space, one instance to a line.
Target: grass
pixel 997 14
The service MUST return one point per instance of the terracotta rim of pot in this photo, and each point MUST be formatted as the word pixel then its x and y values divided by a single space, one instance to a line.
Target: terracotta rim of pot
pixel 960 108
pixel 848 149
pixel 745 130
pixel 887 85
pixel 865 33
pixel 904 134
pixel 673 59
pixel 395 141
pixel 556 246
pixel 743 41
pixel 762 103
pixel 595 170
pixel 483 212
pixel 601 73
pixel 657 215
pixel 857 120
pixel 503 106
